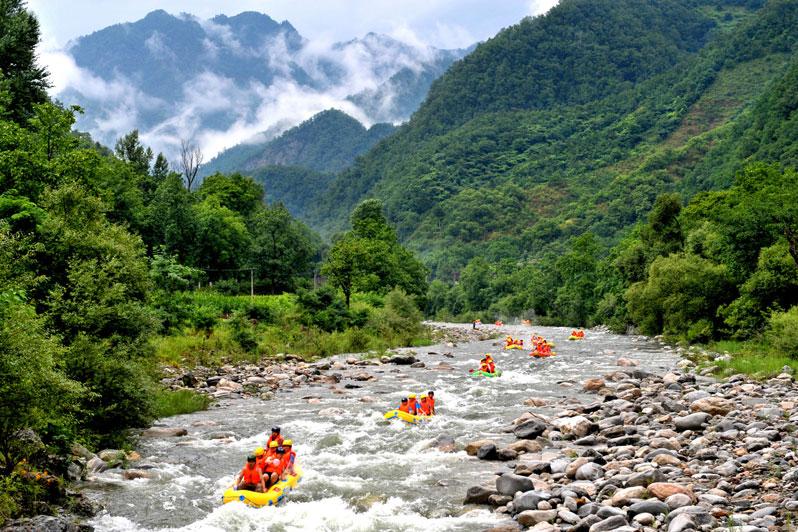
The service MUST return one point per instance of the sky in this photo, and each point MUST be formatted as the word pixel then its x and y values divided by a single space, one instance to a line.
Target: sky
pixel 440 23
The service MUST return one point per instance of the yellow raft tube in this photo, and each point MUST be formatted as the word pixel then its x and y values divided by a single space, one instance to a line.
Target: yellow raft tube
pixel 273 495
pixel 406 417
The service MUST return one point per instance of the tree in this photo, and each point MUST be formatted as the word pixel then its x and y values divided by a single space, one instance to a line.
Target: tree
pixel 171 220
pixel 130 150
pixel 235 191
pixel 282 248
pixel 160 169
pixel 344 263
pixel 53 127
pixel 190 161
pixel 368 221
pixel 25 82
pixel 222 240
pixel 33 393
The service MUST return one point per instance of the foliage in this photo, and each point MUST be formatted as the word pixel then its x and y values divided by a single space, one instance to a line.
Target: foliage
pixel 782 332
pixel 174 403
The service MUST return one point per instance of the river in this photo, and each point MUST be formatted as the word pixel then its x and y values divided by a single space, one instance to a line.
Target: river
pixel 362 473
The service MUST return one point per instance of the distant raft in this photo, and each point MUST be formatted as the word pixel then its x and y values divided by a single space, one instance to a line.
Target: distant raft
pixel 535 354
pixel 272 497
pixel 514 346
pixel 497 373
pixel 406 417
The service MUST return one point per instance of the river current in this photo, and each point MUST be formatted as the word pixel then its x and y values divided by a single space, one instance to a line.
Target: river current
pixel 362 473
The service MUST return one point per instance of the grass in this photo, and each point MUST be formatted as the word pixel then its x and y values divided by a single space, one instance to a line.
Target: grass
pixel 754 358
pixel 173 403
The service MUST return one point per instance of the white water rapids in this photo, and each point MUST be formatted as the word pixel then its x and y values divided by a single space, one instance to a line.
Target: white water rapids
pixel 362 473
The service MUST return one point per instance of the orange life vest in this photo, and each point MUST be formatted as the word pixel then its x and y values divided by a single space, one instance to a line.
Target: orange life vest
pixel 250 475
pixel 279 440
pixel 274 465
pixel 404 407
pixel 424 409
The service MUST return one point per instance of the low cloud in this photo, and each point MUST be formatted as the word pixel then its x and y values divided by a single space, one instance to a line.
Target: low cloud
pixel 219 112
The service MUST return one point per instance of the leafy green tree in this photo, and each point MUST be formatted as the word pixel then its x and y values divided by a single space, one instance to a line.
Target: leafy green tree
pixel 576 301
pixel 171 220
pixel 476 283
pixel 25 81
pixel 52 126
pixel 680 297
pixel 130 149
pixel 34 394
pixel 236 192
pixel 222 239
pixel 169 275
pixel 343 266
pixel 282 248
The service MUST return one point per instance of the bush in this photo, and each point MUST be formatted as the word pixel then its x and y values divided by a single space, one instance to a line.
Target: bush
pixel 323 308
pixel 204 318
pixel 400 319
pixel 173 403
pixel 242 332
pixel 259 311
pixel 782 332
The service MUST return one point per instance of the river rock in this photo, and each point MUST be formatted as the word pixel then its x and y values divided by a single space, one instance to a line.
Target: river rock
pixel 681 523
pixel 624 497
pixel 132 474
pixel 487 452
pixel 677 500
pixel 471 448
pixel 535 401
pixel 228 385
pixel 577 426
pixel 716 406
pixel 402 360
pixel 164 432
pixel 528 500
pixel 525 446
pixel 96 465
pixel 478 495
pixel 506 454
pixel 533 517
pixel 589 471
pixel 692 421
pixel 529 430
pixel 111 455
pixel 444 443
pixel 611 523
pixel 509 483
pixel 43 523
pixel 593 385
pixel 652 507
pixel 663 490
pixel 627 362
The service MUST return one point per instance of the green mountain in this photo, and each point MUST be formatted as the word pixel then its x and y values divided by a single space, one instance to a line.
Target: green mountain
pixel 327 143
pixel 576 121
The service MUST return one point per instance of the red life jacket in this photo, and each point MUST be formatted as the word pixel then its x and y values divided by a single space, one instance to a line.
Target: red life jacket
pixel 278 439
pixel 274 465
pixel 491 367
pixel 260 462
pixel 288 459
pixel 250 476
pixel 431 404
pixel 424 406
pixel 404 407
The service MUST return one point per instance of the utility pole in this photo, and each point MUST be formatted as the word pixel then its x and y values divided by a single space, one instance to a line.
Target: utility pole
pixel 252 283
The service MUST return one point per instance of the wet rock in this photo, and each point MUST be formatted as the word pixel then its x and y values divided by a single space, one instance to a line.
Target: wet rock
pixel 444 443
pixel 681 523
pixel 499 500
pixel 96 465
pixel 402 360
pixel 526 446
pixel 220 435
pixel 487 452
pixel 533 517
pixel 228 385
pixel 111 455
pixel 418 365
pixel 529 430
pixel 506 454
pixel 164 432
pixel 331 412
pixel 132 474
pixel 471 448
pixel 528 500
pixel 593 385
pixel 509 483
pixel 45 523
pixel 627 362
pixel 534 401
pixel 589 471
pixel 478 495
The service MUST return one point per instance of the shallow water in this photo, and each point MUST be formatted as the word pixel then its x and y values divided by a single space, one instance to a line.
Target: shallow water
pixel 362 473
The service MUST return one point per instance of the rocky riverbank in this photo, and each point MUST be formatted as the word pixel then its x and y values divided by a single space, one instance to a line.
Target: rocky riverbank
pixel 674 452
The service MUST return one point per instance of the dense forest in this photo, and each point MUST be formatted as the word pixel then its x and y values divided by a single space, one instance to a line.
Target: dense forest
pixel 112 265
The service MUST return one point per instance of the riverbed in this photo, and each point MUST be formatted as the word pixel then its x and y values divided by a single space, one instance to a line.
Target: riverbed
pixel 362 473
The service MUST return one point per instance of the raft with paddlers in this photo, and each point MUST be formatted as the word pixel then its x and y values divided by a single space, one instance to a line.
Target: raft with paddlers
pixel 513 343
pixel 406 417
pixel 577 335
pixel 538 354
pixel 497 373
pixel 272 497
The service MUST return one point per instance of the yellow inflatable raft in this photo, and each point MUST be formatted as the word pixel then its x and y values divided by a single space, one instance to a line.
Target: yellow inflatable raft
pixel 273 495
pixel 514 346
pixel 574 338
pixel 406 417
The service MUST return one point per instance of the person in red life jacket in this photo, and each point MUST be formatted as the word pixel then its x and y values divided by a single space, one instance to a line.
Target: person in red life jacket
pixel 404 406
pixel 424 406
pixel 275 436
pixel 260 458
pixel 483 365
pixel 289 458
pixel 491 365
pixel 412 404
pixel 273 470
pixel 250 477
pixel 272 450
pixel 431 402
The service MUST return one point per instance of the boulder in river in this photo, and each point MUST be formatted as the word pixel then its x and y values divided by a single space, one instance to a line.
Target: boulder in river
pixel 576 426
pixel 164 432
pixel 487 452
pixel 478 495
pixel 509 483
pixel 593 385
pixel 472 447
pixel 402 360
pixel 444 443
pixel 529 430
